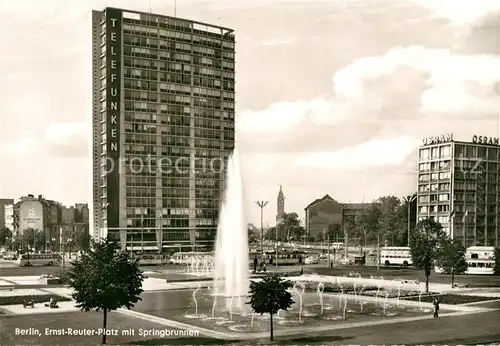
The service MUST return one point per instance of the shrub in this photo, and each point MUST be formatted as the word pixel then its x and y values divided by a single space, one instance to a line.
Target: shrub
pixel 38 299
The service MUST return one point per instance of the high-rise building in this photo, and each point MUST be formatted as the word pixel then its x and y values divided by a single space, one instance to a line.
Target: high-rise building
pixel 280 203
pixel 458 186
pixel 4 202
pixel 163 126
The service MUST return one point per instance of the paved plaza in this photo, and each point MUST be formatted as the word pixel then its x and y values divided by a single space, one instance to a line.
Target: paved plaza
pixel 162 300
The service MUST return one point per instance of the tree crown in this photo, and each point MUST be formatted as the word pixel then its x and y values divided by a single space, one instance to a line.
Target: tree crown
pixel 105 278
pixel 270 295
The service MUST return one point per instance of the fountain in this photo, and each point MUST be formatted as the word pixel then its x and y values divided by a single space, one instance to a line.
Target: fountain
pixel 300 289
pixel 399 293
pixel 422 289
pixel 321 288
pixel 231 278
pixel 385 302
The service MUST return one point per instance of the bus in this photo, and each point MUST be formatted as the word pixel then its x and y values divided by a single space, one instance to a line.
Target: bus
pixel 152 259
pixel 392 255
pixel 480 260
pixel 285 257
pixel 186 257
pixel 27 260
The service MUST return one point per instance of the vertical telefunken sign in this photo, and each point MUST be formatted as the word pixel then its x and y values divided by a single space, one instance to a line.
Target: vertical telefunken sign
pixel 113 110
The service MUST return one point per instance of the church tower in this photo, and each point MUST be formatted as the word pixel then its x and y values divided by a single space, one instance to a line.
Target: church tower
pixel 281 205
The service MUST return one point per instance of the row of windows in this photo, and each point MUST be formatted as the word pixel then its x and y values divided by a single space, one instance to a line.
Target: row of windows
pixel 174 182
pixel 176 203
pixel 189 35
pixel 178 78
pixel 442 197
pixel 149 107
pixel 434 166
pixel 137 127
pixel 214 81
pixel 434 176
pixel 198 63
pixel 192 48
pixel 434 187
pixel 434 208
pixel 192 112
pixel 434 153
pixel 176 89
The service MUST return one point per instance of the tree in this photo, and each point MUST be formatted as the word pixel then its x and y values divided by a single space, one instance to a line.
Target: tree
pixel 290 227
pixel 39 240
pixel 451 258
pixel 270 295
pixel 83 241
pixel 105 279
pixel 496 255
pixel 426 240
pixel 5 234
pixel 28 238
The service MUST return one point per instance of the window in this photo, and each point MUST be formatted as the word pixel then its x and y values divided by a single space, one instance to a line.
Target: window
pixel 445 151
pixel 444 197
pixel 444 175
pixel 424 166
pixel 424 154
pixel 423 209
pixel 423 177
pixel 423 199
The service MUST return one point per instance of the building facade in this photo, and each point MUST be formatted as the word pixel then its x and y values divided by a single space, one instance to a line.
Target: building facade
pixel 9 216
pixel 3 203
pixel 325 212
pixel 458 186
pixel 280 203
pixel 163 128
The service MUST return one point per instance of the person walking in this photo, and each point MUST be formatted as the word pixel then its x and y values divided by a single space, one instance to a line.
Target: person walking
pixel 435 302
pixel 255 262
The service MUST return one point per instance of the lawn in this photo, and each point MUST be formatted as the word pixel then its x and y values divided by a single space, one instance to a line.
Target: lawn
pixel 453 299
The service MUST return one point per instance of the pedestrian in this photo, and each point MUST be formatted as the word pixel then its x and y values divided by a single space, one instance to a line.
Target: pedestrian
pixel 301 270
pixel 255 262
pixel 264 269
pixel 435 302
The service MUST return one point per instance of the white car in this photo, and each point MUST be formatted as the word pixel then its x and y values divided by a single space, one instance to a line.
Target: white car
pixel 312 260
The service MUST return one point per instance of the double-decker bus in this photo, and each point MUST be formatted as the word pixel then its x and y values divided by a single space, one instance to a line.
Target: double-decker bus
pixel 27 260
pixel 395 255
pixel 480 260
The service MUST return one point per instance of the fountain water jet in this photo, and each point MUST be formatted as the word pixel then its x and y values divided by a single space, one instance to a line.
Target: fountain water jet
pixel 321 288
pixel 300 289
pixel 196 300
pixel 420 297
pixel 231 278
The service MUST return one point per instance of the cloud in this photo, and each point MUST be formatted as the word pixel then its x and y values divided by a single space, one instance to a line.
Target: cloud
pixel 461 11
pixel 59 139
pixel 372 153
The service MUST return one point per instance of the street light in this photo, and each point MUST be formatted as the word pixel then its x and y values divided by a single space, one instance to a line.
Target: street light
pixel 409 200
pixel 261 205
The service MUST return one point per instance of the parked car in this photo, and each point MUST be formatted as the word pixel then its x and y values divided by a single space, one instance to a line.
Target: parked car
pixel 312 260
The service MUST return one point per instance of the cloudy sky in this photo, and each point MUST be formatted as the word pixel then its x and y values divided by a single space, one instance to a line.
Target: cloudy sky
pixel 332 96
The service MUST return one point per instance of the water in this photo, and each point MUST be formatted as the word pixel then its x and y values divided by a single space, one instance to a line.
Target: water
pixel 231 277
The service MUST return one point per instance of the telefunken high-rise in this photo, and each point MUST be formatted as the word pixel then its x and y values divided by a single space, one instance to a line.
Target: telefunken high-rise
pixel 163 127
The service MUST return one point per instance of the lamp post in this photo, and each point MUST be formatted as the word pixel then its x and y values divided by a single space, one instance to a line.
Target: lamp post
pixel 53 244
pixel 261 205
pixel 409 200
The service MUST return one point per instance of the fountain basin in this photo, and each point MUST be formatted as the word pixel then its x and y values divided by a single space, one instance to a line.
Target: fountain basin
pixel 179 306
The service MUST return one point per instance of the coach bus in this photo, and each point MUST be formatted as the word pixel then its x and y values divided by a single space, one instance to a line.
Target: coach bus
pixel 27 260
